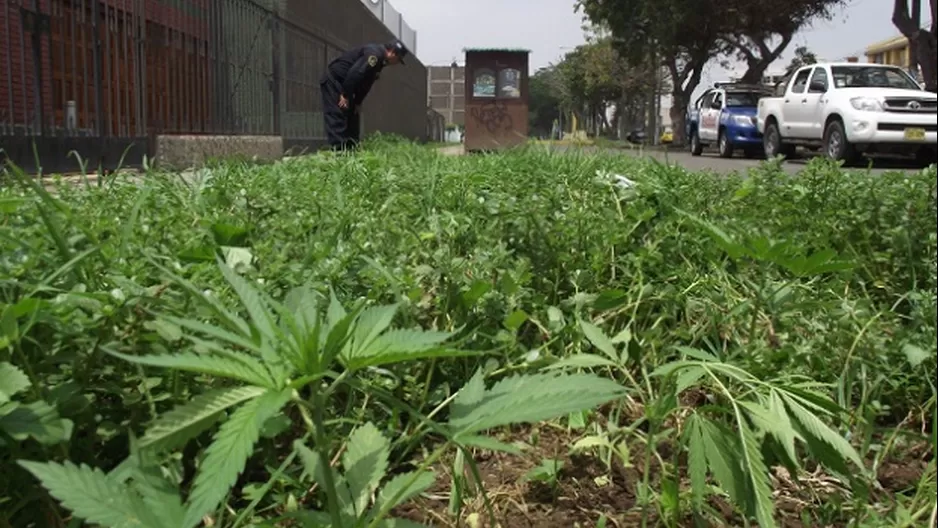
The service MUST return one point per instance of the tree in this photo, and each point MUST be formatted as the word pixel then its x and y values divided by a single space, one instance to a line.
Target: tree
pixel 923 42
pixel 687 34
pixel 596 78
pixel 681 35
pixel 760 31
pixel 803 57
pixel 544 100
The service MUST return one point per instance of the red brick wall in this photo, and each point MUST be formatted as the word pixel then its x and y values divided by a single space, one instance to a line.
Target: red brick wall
pixel 67 59
pixel 16 60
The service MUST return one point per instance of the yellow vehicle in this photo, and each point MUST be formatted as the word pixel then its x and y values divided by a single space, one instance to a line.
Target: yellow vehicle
pixel 667 136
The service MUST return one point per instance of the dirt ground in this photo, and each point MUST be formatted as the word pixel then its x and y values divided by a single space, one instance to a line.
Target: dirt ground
pixel 586 491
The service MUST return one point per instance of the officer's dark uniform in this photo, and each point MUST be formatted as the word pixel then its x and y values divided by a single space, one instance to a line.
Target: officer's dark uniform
pixel 352 75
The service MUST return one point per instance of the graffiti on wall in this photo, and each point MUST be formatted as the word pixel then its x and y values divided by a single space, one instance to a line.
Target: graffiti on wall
pixel 493 116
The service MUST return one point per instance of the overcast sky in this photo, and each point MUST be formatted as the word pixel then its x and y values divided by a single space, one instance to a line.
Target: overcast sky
pixel 549 28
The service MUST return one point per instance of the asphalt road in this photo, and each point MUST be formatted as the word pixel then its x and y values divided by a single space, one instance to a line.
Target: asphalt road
pixel 713 162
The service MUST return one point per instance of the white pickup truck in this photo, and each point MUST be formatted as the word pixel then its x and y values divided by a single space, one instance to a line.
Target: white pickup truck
pixel 850 109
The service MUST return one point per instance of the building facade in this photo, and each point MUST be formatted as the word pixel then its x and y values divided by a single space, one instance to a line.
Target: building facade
pixel 108 78
pixel 446 90
pixel 894 52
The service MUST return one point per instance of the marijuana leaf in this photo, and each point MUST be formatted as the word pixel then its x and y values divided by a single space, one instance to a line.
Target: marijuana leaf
pixel 226 457
pixel 92 496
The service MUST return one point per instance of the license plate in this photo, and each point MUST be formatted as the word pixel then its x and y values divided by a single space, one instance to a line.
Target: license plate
pixel 915 134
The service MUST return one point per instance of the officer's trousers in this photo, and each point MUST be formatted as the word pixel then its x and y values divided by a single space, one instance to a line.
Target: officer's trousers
pixel 343 126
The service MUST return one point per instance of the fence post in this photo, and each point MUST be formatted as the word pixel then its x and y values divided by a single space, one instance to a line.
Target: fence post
pixel 96 56
pixel 37 23
pixel 275 76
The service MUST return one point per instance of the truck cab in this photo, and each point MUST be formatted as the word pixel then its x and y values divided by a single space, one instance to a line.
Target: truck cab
pixel 850 109
pixel 725 116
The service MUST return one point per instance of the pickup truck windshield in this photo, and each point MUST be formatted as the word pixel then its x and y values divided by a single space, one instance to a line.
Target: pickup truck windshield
pixel 872 77
pixel 743 99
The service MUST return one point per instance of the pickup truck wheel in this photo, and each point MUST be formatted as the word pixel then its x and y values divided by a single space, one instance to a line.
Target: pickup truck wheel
pixel 772 143
pixel 836 145
pixel 695 147
pixel 726 148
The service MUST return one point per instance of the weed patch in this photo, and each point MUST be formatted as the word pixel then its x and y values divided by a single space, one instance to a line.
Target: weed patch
pixel 523 339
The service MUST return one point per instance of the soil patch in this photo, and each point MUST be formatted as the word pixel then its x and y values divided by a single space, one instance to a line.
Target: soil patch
pixel 585 489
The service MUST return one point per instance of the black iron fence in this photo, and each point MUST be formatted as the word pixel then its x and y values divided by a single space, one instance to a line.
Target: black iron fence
pixel 103 78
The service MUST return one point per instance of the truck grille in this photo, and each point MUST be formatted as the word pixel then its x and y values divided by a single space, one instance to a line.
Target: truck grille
pixel 898 127
pixel 910 105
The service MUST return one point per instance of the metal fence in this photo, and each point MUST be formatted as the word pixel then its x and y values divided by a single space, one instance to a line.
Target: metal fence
pixel 394 21
pixel 104 77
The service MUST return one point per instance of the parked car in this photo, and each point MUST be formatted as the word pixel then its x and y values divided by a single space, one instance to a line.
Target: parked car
pixel 850 109
pixel 725 116
pixel 636 136
pixel 667 136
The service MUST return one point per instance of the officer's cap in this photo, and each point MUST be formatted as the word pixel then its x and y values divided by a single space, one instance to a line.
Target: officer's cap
pixel 398 48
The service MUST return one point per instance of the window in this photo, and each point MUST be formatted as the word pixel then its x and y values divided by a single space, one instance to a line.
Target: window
pixel 483 84
pixel 718 99
pixel 819 77
pixel 509 83
pixel 872 77
pixel 736 99
pixel 800 81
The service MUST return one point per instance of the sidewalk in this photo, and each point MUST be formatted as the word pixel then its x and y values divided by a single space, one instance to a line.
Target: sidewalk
pixel 452 150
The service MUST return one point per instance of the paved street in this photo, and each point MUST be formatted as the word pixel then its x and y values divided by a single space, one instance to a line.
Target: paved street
pixel 712 161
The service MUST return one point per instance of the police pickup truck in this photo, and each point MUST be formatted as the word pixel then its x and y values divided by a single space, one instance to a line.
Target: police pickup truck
pixel 850 109
pixel 725 115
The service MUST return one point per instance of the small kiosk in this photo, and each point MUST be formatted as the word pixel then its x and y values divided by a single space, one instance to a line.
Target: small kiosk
pixel 496 98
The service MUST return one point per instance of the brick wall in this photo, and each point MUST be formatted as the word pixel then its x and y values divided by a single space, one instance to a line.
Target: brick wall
pixel 173 83
pixel 18 101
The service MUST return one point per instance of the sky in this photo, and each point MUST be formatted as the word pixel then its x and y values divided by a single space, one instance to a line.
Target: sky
pixel 550 28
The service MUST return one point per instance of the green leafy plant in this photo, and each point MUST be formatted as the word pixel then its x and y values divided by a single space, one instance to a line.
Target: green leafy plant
pixel 771 416
pixel 547 472
pixel 18 420
pixel 279 351
pixel 536 257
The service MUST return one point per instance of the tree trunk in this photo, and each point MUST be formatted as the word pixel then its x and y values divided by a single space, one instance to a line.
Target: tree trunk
pixel 928 59
pixel 756 66
pixel 681 91
pixel 923 41
pixel 914 59
pixel 684 82
pixel 678 113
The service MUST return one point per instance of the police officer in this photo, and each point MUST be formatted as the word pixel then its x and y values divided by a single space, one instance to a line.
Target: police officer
pixel 346 83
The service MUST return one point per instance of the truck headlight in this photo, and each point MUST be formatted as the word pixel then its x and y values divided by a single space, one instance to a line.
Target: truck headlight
pixel 744 121
pixel 866 104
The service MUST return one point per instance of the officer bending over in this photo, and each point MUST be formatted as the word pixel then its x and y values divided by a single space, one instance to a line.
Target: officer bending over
pixel 346 83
